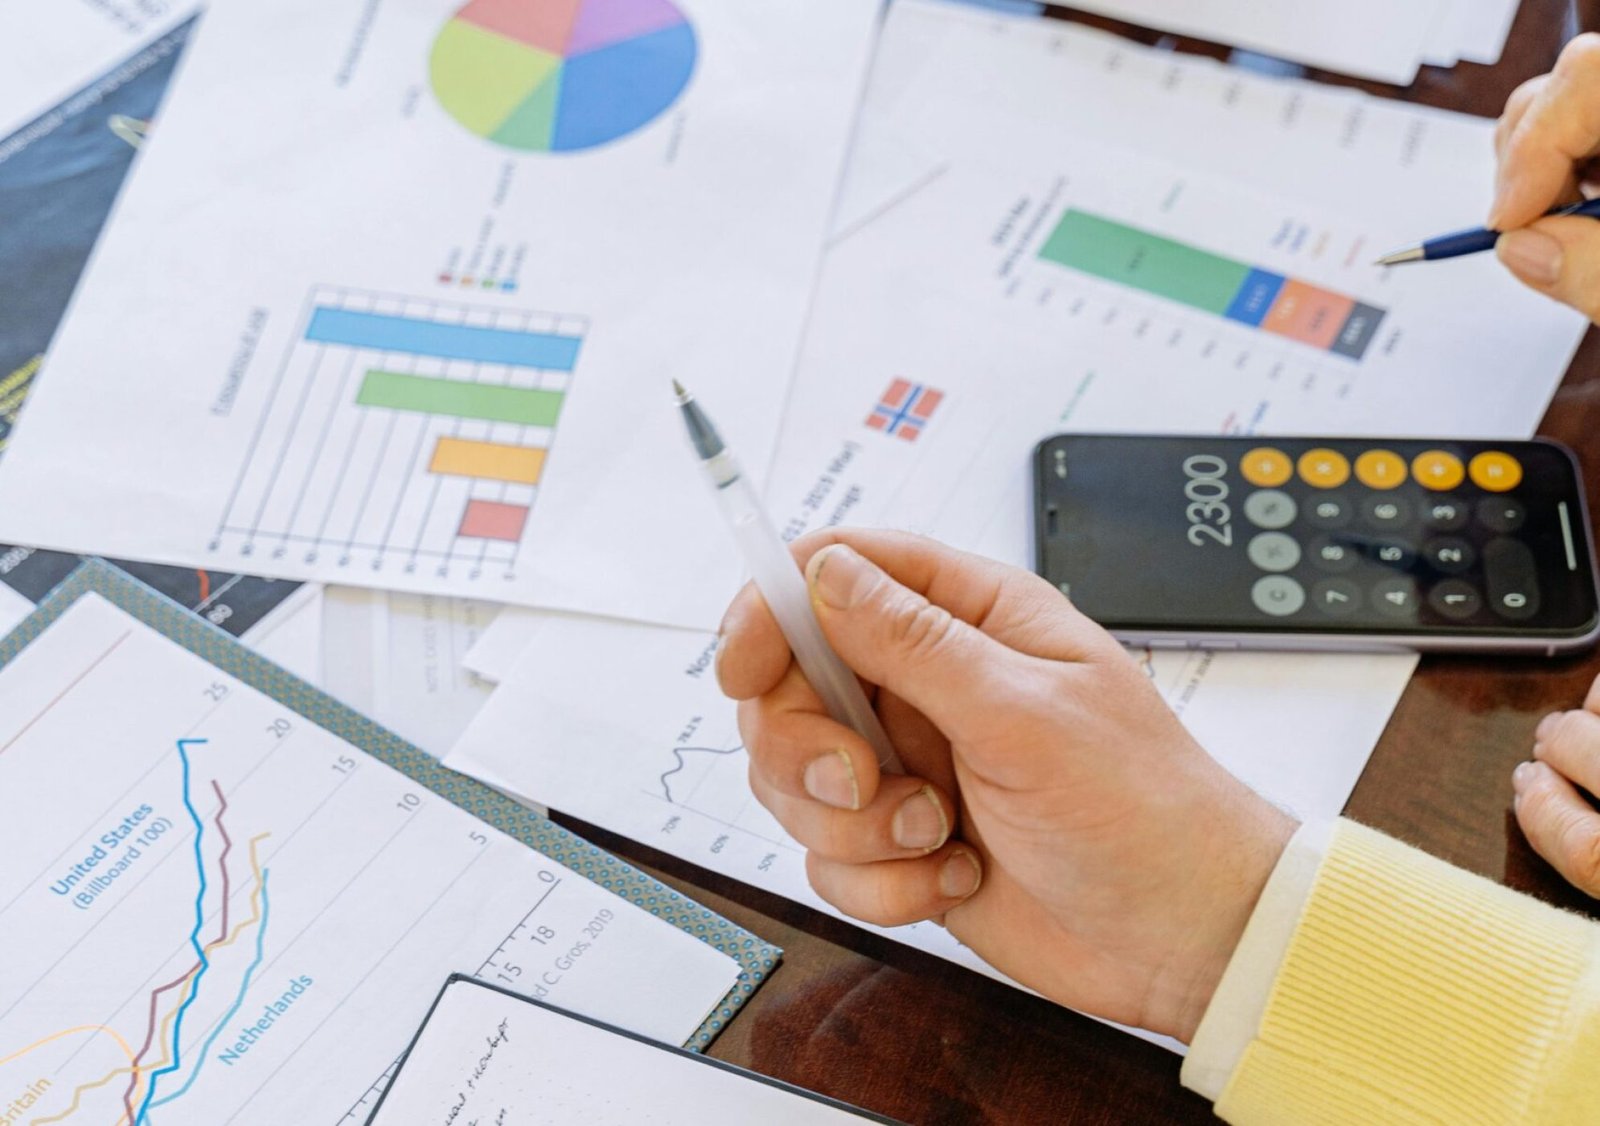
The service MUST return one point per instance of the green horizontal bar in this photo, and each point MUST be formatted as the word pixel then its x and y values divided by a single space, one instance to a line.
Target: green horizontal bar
pixel 1145 261
pixel 523 406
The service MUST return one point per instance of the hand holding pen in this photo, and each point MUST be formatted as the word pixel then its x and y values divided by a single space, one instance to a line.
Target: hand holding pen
pixel 1547 143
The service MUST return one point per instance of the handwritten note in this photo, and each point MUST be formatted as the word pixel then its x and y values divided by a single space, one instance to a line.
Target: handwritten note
pixel 486 1057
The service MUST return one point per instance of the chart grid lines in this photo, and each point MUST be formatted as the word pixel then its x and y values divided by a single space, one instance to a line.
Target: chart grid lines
pixel 429 448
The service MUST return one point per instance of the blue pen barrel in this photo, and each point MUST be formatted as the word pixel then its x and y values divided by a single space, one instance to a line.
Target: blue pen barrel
pixel 1461 242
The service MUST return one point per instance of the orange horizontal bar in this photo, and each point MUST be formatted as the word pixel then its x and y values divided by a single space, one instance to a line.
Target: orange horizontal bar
pixel 488 461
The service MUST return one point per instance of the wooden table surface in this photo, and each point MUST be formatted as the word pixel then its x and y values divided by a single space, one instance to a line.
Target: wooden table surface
pixel 915 1038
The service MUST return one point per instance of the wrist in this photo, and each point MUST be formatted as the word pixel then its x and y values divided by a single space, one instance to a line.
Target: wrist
pixel 1235 858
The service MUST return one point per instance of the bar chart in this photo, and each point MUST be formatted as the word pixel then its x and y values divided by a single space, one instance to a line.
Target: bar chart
pixel 1248 295
pixel 405 432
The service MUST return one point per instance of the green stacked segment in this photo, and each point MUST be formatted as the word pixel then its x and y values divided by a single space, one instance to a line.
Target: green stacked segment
pixel 1145 261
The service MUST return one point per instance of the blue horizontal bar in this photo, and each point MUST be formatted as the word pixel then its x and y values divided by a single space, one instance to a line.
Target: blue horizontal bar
pixel 385 333
pixel 1255 297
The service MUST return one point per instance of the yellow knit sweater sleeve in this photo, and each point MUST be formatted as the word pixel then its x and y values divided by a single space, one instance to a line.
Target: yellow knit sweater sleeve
pixel 1413 992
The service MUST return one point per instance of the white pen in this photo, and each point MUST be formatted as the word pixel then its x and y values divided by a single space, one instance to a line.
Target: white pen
pixel 782 584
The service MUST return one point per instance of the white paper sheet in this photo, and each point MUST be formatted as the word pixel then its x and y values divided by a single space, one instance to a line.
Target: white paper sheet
pixel 193 822
pixel 489 1057
pixel 373 327
pixel 1366 38
pixel 398 658
pixel 51 49
pixel 502 642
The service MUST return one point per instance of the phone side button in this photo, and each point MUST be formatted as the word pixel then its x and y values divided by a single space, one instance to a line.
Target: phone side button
pixel 1168 643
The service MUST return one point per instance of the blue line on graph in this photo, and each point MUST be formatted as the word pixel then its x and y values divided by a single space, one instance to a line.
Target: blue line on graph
pixel 205 1049
pixel 194 937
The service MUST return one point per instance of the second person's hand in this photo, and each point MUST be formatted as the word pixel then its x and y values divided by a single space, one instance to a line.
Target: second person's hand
pixel 1057 817
pixel 1546 142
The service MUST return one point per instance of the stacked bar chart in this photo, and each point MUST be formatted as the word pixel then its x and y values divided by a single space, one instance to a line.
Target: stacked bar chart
pixel 1248 295
pixel 405 432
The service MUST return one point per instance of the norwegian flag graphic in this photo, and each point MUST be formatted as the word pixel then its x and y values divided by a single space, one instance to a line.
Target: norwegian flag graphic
pixel 905 409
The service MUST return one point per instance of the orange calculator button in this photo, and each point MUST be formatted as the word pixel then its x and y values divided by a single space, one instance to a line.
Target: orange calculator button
pixel 1266 467
pixel 1435 469
pixel 1496 472
pixel 1381 469
pixel 1324 469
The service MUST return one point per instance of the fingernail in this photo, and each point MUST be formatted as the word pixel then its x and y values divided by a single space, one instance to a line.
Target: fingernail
pixel 1521 776
pixel 1547 727
pixel 831 779
pixel 920 821
pixel 960 875
pixel 842 578
pixel 717 647
pixel 1533 256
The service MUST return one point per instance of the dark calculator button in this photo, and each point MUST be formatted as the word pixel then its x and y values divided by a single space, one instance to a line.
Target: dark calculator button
pixel 1512 578
pixel 1393 554
pixel 1455 599
pixel 1450 555
pixel 1446 515
pixel 1395 598
pixel 1502 514
pixel 1329 554
pixel 1386 512
pixel 1338 598
pixel 1329 511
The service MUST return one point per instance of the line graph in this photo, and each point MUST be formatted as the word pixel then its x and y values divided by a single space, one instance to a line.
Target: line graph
pixel 174 974
pixel 404 432
pixel 678 754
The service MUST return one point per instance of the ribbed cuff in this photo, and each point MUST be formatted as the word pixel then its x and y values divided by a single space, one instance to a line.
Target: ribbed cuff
pixel 1411 992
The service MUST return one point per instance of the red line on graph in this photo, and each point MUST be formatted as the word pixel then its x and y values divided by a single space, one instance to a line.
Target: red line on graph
pixel 77 680
pixel 222 933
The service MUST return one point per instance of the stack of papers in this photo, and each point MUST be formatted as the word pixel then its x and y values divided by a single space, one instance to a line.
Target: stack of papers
pixel 366 319
pixel 1372 39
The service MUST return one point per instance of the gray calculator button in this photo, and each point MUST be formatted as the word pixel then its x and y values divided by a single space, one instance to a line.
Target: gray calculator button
pixel 1274 551
pixel 1446 514
pixel 1337 598
pixel 1450 555
pixel 1512 577
pixel 1329 554
pixel 1329 510
pixel 1502 514
pixel 1395 598
pixel 1396 555
pixel 1455 599
pixel 1269 508
pixel 1278 595
pixel 1386 511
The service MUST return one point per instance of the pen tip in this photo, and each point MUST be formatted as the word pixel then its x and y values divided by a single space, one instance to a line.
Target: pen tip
pixel 677 389
pixel 1410 254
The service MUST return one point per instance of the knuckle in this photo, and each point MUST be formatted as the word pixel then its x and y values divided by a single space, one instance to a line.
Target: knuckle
pixel 917 626
pixel 1581 847
pixel 1581 56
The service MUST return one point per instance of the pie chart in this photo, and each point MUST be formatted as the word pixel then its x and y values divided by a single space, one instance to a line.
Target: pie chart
pixel 562 76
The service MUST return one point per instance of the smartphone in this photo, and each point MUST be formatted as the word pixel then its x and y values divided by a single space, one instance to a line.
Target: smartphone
pixel 1325 543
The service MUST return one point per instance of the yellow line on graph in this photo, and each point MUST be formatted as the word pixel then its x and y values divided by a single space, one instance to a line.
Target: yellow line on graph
pixel 37 1044
pixel 77 1095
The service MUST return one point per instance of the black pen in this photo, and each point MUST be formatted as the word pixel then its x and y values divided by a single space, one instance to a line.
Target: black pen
pixel 1477 240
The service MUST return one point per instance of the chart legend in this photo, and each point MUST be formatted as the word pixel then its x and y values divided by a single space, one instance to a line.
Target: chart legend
pixel 405 432
pixel 1248 295
pixel 562 75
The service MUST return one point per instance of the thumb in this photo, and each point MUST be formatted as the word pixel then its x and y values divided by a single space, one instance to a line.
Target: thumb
pixel 897 639
pixel 1558 257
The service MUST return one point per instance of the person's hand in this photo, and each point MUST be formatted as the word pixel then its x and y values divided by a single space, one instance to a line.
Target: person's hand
pixel 1056 816
pixel 1547 142
pixel 1551 808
